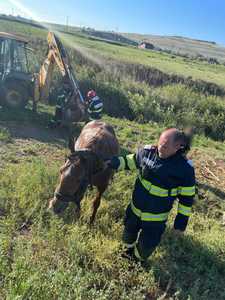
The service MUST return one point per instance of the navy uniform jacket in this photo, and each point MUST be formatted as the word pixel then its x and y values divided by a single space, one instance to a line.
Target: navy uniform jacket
pixel 63 98
pixel 159 183
pixel 95 108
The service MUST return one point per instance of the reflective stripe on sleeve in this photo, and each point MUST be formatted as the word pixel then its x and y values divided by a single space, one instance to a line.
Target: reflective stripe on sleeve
pixel 122 163
pixel 130 158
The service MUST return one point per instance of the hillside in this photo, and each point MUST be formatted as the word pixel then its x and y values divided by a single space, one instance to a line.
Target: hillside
pixel 43 256
pixel 182 45
pixel 162 61
pixel 99 51
pixel 175 44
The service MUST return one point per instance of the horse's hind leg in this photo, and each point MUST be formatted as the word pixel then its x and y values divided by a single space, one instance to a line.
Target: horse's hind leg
pixel 96 204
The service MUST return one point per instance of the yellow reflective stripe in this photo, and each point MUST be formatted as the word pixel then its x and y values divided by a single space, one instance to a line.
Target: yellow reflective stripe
pixel 135 210
pixel 145 183
pixel 174 192
pixel 157 191
pixel 153 189
pixel 154 217
pixel 94 111
pixel 122 163
pixel 184 210
pixel 145 216
pixel 160 192
pixel 186 191
pixel 97 110
pixel 131 161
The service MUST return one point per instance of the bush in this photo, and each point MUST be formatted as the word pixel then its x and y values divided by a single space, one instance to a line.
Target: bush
pixel 171 105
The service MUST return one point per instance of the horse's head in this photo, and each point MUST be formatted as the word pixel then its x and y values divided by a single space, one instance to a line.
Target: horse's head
pixel 75 175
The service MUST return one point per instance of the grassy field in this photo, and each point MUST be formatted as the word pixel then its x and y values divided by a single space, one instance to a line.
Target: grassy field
pixel 63 257
pixel 20 28
pixel 98 50
pixel 164 62
pixel 182 45
pixel 123 97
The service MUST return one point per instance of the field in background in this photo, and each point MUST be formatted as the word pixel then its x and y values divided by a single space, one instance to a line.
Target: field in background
pixel 62 257
pixel 166 63
pixel 182 45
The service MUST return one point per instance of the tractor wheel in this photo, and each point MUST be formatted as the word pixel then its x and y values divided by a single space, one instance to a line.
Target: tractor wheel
pixel 15 95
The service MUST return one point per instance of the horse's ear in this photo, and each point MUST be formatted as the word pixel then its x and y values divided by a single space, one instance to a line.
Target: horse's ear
pixel 71 144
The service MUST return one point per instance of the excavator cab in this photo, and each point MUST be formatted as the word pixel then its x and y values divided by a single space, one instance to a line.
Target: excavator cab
pixel 19 83
pixel 16 81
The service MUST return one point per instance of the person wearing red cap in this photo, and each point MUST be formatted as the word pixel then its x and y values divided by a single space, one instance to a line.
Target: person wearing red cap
pixel 95 106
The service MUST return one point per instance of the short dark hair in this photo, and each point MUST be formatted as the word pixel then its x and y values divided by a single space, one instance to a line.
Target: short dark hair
pixel 185 137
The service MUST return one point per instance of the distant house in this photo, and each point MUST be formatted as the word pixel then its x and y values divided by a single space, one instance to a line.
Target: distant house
pixel 146 45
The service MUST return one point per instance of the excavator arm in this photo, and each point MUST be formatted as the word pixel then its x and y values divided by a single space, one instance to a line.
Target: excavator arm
pixel 57 55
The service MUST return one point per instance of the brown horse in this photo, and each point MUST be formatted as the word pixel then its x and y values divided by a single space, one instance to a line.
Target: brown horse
pixel 85 166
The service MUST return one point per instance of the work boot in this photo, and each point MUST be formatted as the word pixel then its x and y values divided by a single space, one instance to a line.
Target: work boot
pixel 128 254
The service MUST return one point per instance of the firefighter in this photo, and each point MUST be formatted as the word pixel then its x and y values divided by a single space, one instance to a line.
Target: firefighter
pixel 94 106
pixel 164 175
pixel 61 104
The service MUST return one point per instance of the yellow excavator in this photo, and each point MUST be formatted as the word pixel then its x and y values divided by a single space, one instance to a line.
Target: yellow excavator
pixel 18 84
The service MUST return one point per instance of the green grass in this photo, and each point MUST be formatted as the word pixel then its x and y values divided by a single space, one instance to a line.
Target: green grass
pixel 4 135
pixel 182 45
pixel 167 105
pixel 162 61
pixel 171 105
pixel 24 29
pixel 100 51
pixel 63 258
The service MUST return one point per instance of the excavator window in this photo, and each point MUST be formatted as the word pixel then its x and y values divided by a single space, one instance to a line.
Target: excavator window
pixel 12 56
pixel 5 61
pixel 19 57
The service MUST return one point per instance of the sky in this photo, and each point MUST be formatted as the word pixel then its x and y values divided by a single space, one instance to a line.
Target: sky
pixel 201 19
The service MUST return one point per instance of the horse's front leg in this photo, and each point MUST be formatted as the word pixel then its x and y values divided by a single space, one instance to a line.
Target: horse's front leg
pixel 95 206
pixel 77 210
pixel 101 182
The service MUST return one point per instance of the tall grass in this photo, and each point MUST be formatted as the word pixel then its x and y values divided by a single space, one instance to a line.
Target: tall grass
pixel 63 258
pixel 43 256
pixel 171 105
